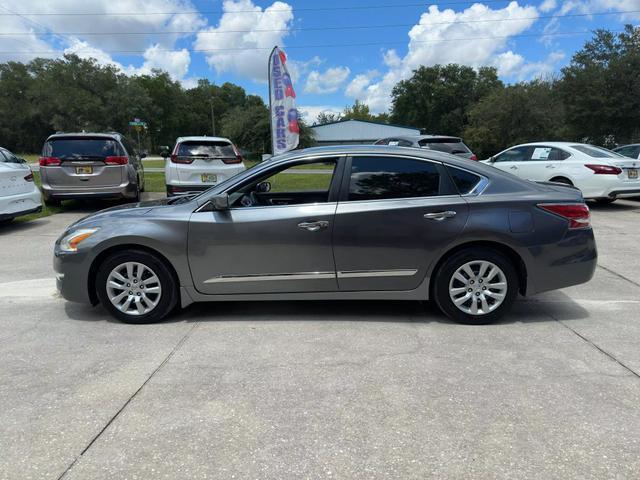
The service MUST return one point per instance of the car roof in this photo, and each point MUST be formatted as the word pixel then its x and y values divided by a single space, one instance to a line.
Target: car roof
pixel 202 138
pixel 628 145
pixel 426 137
pixel 112 135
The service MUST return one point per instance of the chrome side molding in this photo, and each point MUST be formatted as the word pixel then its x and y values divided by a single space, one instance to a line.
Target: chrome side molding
pixel 270 277
pixel 377 273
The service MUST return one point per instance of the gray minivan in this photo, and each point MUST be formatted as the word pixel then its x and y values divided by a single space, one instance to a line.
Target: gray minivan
pixel 90 165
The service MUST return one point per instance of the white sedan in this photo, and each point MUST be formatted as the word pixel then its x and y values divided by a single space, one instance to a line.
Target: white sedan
pixel 599 173
pixel 19 194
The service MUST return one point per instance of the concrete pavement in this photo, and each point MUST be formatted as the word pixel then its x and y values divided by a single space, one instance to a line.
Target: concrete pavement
pixel 321 389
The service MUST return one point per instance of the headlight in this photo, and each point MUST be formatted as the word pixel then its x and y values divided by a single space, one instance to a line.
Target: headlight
pixel 70 242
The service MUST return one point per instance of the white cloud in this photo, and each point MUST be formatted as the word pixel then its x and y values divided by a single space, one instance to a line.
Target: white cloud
pixel 440 38
pixel 591 6
pixel 251 62
pixel 328 82
pixel 310 112
pixel 360 82
pixel 548 5
pixel 298 69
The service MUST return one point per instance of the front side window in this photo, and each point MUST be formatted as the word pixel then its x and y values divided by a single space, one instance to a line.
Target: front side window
pixel 629 151
pixel 377 178
pixel 8 157
pixel 296 184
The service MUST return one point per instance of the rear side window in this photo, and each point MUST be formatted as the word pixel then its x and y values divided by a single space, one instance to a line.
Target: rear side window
pixel 377 178
pixel 72 148
pixel 206 149
pixel 465 181
pixel 549 154
pixel 446 145
pixel 518 154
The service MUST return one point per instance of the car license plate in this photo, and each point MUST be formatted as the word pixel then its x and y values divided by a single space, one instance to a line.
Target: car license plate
pixel 209 178
pixel 633 173
pixel 84 170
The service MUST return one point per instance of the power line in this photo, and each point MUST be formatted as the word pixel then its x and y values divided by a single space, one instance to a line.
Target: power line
pixel 341 45
pixel 271 10
pixel 351 27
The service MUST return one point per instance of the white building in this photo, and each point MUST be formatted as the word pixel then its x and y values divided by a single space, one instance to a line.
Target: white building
pixel 358 132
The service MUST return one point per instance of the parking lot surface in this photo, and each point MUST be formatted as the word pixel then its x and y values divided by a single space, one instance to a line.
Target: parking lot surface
pixel 354 390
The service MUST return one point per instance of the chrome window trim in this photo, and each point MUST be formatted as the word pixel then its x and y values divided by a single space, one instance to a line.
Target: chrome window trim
pixel 480 186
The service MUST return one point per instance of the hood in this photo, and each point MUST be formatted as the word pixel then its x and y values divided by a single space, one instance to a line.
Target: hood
pixel 121 211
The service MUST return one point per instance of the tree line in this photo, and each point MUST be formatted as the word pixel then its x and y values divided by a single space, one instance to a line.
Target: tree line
pixel 595 99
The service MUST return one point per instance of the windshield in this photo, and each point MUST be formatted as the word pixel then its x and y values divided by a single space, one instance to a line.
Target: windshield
pixel 596 152
pixel 446 145
pixel 70 148
pixel 206 149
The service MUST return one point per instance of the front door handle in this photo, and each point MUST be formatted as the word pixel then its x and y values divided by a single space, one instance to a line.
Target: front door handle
pixel 314 226
pixel 439 216
pixel 513 167
pixel 550 166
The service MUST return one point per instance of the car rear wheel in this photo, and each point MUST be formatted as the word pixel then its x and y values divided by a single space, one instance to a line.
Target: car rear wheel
pixel 136 287
pixel 476 286
pixel 52 202
pixel 605 200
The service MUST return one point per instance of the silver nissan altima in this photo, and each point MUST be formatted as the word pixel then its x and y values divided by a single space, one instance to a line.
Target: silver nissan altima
pixel 336 223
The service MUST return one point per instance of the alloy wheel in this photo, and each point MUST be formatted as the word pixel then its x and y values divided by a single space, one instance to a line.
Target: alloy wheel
pixel 478 287
pixel 133 288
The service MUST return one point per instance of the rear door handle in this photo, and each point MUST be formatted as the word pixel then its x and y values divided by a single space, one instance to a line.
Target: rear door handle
pixel 314 226
pixel 550 166
pixel 513 167
pixel 439 216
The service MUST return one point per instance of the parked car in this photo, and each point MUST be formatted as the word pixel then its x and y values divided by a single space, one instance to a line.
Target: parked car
pixel 373 223
pixel 198 163
pixel 90 165
pixel 19 194
pixel 599 173
pixel 439 143
pixel 631 151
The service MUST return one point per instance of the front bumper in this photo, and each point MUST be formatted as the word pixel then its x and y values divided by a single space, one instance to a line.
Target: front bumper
pixel 72 275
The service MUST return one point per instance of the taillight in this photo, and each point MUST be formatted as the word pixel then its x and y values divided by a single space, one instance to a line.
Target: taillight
pixel 49 162
pixel 605 169
pixel 116 160
pixel 238 158
pixel 576 213
pixel 29 178
pixel 473 157
pixel 176 159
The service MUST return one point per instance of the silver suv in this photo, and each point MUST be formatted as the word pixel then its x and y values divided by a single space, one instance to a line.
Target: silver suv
pixel 90 165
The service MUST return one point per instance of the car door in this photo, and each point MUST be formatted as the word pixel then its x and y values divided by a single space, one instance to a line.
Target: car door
pixel 512 160
pixel 543 163
pixel 394 216
pixel 281 244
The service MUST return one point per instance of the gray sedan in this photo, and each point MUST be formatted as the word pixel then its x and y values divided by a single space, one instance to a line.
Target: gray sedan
pixel 351 222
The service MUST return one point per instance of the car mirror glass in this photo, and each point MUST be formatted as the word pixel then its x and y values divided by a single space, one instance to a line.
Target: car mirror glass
pixel 164 151
pixel 220 202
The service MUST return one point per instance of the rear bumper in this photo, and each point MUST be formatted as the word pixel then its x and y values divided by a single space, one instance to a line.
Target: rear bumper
pixel 570 262
pixel 22 204
pixel 126 190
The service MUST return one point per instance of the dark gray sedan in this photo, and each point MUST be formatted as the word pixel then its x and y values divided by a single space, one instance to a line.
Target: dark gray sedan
pixel 336 223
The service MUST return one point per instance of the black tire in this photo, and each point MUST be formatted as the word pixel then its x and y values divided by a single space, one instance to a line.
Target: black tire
pixel 52 202
pixel 168 297
pixel 450 267
pixel 6 221
pixel 605 200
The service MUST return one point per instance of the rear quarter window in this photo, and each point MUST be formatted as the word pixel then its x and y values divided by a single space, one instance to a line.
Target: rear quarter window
pixel 464 180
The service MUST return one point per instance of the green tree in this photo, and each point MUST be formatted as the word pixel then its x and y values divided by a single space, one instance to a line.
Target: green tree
pixel 437 99
pixel 525 112
pixel 601 87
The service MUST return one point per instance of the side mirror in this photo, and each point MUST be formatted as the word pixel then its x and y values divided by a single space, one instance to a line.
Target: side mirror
pixel 492 159
pixel 143 155
pixel 164 151
pixel 220 202
pixel 263 187
pixel 22 160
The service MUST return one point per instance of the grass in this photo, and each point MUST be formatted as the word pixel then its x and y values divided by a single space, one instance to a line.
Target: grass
pixel 153 163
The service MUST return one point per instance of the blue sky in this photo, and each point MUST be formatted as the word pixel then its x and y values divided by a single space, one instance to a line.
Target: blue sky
pixel 339 50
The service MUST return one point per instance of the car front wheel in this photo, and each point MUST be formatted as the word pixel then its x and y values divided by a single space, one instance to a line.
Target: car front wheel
pixel 476 286
pixel 136 287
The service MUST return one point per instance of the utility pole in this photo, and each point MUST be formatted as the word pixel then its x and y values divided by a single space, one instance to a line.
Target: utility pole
pixel 213 119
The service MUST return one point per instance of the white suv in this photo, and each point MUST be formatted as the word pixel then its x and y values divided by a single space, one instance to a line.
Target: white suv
pixel 198 163
pixel 599 173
